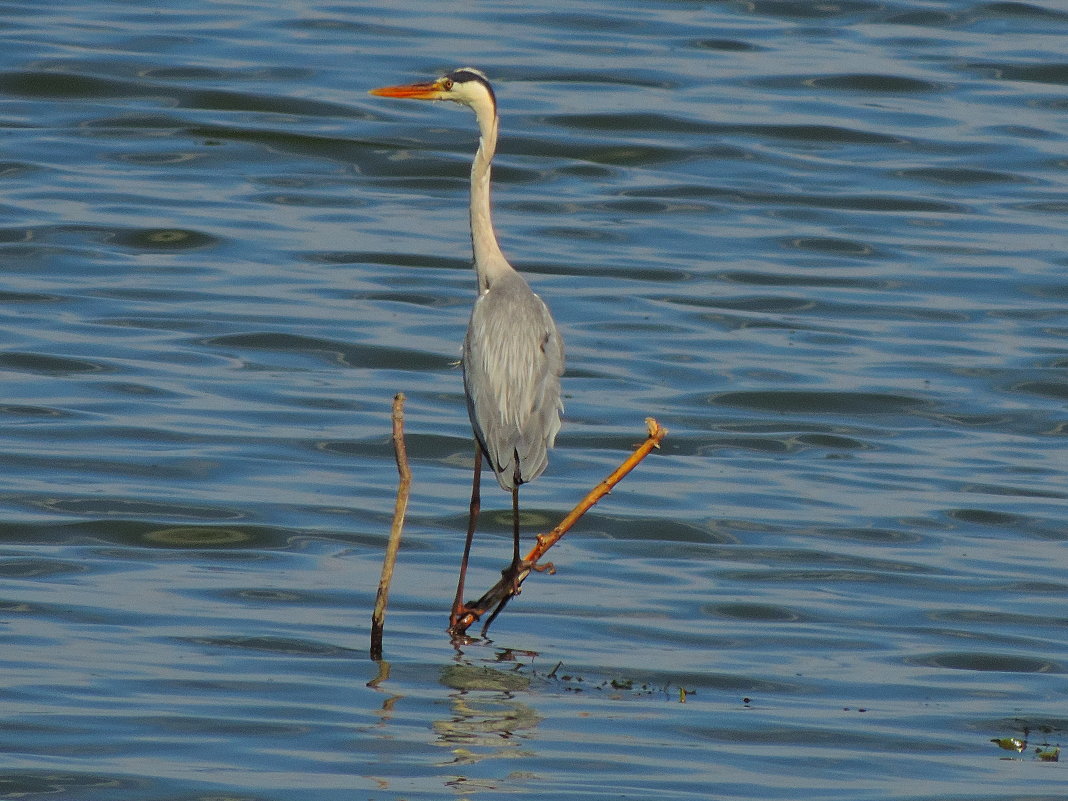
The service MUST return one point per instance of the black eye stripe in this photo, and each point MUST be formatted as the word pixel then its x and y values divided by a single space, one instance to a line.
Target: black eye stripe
pixel 465 75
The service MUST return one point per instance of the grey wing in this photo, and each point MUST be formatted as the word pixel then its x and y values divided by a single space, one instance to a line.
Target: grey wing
pixel 513 359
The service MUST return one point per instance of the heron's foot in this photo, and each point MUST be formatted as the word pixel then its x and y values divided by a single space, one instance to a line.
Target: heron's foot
pixel 510 585
pixel 462 616
pixel 513 575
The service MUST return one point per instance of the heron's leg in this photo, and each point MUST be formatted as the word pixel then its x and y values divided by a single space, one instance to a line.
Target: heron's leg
pixel 515 524
pixel 515 519
pixel 458 605
pixel 511 573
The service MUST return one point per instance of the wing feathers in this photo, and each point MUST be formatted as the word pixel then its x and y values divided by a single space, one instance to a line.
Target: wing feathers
pixel 513 358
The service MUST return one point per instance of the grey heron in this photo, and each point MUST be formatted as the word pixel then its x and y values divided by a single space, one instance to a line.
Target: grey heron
pixel 513 355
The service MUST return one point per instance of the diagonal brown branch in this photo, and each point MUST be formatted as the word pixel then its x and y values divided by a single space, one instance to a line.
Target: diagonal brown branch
pixel 400 508
pixel 509 585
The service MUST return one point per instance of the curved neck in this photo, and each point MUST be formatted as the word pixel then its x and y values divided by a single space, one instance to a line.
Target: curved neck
pixel 489 260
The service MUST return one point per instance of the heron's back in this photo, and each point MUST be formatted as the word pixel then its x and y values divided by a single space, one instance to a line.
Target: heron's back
pixel 512 360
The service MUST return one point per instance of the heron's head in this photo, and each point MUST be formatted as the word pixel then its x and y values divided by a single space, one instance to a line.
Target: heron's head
pixel 466 86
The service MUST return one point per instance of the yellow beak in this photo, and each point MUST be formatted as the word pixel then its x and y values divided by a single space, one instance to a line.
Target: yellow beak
pixel 412 91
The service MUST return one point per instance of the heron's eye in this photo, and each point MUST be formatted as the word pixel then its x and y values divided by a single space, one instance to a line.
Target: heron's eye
pixel 447 84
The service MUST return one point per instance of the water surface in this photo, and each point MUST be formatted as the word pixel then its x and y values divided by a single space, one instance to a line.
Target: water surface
pixel 824 244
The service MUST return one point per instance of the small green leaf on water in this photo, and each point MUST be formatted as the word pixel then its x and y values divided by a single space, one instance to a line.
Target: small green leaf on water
pixel 1049 754
pixel 1010 743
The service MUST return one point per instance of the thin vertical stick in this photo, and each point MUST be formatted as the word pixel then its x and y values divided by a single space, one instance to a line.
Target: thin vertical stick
pixel 379 617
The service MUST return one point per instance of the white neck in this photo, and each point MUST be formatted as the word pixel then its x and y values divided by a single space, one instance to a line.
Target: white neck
pixel 489 260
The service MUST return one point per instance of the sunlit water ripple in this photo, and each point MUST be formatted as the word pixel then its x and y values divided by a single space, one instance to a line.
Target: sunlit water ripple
pixel 823 244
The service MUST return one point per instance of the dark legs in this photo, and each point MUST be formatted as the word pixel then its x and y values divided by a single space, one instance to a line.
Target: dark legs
pixel 515 516
pixel 458 606
pixel 511 573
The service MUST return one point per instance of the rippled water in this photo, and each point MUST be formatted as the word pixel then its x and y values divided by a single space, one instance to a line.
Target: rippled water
pixel 824 244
